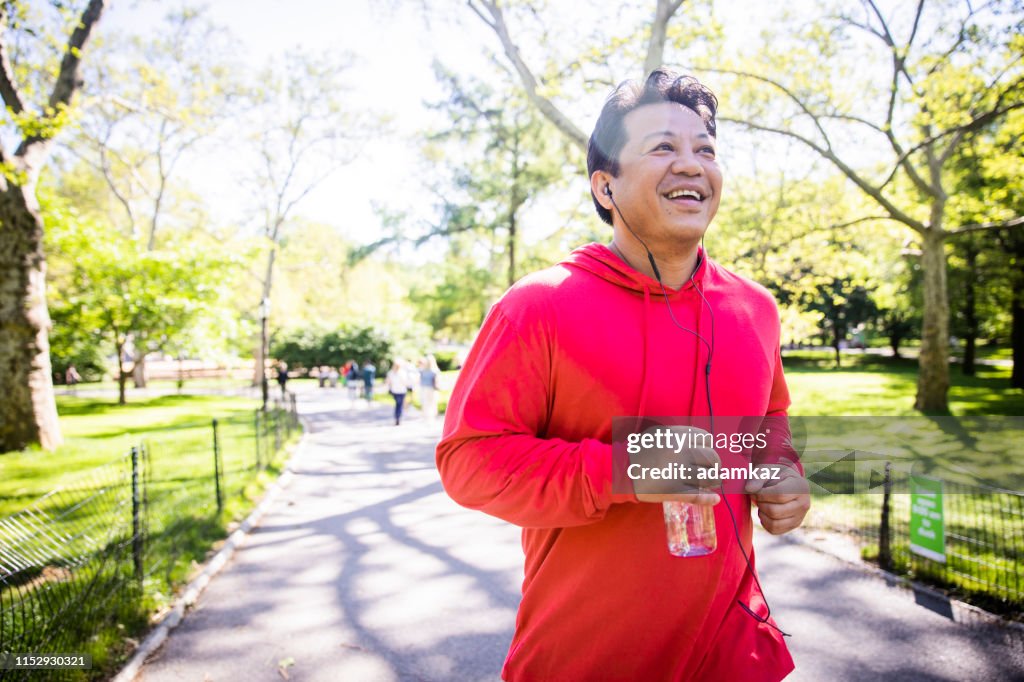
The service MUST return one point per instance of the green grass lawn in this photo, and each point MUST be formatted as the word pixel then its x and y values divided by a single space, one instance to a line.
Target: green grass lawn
pixel 98 431
pixel 81 539
pixel 878 385
pixel 982 565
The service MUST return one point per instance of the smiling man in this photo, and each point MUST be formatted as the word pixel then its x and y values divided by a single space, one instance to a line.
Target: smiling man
pixel 647 325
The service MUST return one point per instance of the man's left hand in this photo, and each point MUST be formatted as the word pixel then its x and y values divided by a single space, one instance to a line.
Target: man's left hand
pixel 782 504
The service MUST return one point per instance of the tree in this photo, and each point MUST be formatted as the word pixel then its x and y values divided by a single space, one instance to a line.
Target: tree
pixel 493 14
pixel 844 306
pixel 789 229
pixel 155 101
pixel 987 178
pixel 456 294
pixel 29 412
pixel 303 134
pixel 130 296
pixel 952 70
pixel 513 158
pixel 898 298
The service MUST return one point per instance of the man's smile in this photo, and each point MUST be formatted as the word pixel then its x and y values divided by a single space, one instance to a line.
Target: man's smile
pixel 686 196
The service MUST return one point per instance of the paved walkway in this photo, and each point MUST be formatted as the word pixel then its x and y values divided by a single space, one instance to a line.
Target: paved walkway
pixel 364 570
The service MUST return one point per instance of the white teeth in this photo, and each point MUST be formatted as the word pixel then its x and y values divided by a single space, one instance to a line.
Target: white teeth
pixel 685 193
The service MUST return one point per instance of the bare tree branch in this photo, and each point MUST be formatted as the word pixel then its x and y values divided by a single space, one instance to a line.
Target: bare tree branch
pixel 495 19
pixel 899 67
pixel 815 118
pixel 874 192
pixel 8 88
pixel 864 219
pixel 980 121
pixel 979 227
pixel 68 81
pixel 659 29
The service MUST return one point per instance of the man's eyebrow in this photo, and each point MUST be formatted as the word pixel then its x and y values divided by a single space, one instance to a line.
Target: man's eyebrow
pixel 669 133
pixel 660 133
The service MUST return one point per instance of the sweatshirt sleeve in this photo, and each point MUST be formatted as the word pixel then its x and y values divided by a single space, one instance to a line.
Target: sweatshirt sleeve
pixel 779 446
pixel 493 456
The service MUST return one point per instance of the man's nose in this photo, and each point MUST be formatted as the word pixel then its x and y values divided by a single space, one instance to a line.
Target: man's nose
pixel 687 163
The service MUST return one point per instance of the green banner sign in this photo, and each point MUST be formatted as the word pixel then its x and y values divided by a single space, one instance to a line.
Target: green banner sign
pixel 927 527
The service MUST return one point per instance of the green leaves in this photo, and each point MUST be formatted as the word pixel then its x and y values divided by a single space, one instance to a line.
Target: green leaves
pixel 113 289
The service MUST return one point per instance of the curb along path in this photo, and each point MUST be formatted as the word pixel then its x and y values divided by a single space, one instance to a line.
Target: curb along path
pixel 363 569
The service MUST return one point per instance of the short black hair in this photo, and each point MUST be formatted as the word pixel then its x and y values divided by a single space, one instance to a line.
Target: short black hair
pixel 609 134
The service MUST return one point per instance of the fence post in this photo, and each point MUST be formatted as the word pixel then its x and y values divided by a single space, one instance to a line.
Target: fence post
pixel 288 418
pixel 136 516
pixel 277 430
pixel 256 433
pixel 216 468
pixel 884 540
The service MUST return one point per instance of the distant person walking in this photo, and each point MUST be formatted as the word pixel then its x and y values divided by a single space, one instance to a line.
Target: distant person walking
pixel 369 374
pixel 282 378
pixel 352 380
pixel 397 382
pixel 72 378
pixel 429 374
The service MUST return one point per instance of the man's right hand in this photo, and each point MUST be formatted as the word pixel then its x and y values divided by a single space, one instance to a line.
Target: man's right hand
pixel 692 489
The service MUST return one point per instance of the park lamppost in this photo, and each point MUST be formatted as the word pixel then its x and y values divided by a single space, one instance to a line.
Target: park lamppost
pixel 264 314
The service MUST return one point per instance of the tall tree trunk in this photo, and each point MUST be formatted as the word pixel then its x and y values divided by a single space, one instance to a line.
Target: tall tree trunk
pixel 835 345
pixel 1017 338
pixel 122 382
pixel 970 309
pixel 1013 243
pixel 933 363
pixel 29 410
pixel 139 369
pixel 512 248
pixel 28 413
pixel 260 366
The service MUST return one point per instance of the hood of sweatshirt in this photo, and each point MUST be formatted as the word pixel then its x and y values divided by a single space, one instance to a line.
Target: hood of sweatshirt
pixel 602 262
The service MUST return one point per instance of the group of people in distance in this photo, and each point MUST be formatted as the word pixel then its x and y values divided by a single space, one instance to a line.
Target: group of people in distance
pixel 402 378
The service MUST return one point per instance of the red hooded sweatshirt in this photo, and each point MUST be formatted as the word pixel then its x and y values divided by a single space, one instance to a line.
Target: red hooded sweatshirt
pixel 527 438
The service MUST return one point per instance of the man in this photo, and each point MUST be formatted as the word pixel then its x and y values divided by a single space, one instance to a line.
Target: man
pixel 645 326
pixel 282 379
pixel 369 376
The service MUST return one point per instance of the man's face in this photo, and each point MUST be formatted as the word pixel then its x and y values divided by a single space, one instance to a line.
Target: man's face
pixel 669 183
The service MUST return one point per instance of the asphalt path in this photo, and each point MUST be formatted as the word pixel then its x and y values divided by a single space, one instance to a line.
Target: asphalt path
pixel 364 570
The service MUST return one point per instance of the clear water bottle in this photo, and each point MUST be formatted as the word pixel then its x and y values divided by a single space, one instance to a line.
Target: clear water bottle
pixel 690 528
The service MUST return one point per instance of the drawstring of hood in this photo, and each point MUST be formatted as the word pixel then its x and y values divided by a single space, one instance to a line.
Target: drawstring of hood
pixel 647 353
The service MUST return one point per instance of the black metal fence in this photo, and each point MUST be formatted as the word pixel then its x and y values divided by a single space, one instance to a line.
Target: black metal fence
pixel 83 566
pixel 982 538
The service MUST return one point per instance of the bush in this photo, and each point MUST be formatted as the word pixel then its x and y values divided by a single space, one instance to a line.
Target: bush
pixel 311 347
pixel 446 360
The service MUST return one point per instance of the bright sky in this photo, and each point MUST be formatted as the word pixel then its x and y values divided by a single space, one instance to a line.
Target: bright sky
pixel 395 48
pixel 393 75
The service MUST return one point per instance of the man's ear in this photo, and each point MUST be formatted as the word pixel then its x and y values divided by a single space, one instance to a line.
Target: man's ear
pixel 600 184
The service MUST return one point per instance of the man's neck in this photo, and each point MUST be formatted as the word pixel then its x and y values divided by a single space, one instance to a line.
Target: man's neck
pixel 675 268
